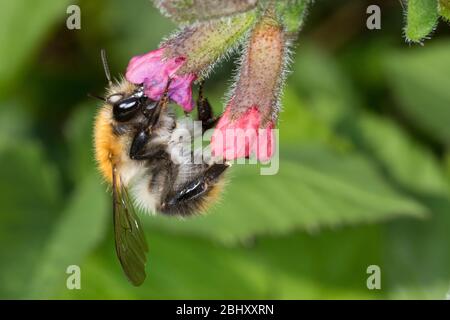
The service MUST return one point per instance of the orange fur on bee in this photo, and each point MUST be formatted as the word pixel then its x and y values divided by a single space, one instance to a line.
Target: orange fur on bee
pixel 213 196
pixel 107 146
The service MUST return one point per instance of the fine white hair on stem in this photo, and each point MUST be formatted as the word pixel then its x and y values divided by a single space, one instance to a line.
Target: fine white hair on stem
pixel 274 102
pixel 409 41
pixel 239 61
pixel 229 43
pixel 183 12
pixel 226 55
pixel 285 70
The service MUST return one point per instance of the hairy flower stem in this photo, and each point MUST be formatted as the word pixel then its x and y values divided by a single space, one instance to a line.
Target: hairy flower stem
pixel 204 43
pixel 245 127
pixel 261 72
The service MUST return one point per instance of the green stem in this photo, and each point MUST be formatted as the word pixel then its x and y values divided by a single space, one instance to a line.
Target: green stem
pixel 292 13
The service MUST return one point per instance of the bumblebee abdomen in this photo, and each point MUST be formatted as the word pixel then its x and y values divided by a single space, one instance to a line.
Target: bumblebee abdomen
pixel 194 205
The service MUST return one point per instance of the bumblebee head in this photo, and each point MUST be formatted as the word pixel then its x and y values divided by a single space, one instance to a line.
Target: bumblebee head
pixel 128 105
pixel 126 99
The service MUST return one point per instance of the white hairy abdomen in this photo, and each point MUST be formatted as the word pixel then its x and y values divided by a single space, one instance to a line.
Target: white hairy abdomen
pixel 136 176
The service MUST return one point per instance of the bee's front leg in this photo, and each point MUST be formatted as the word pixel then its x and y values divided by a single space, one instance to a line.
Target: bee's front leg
pixel 205 112
pixel 142 150
pixel 139 147
pixel 139 144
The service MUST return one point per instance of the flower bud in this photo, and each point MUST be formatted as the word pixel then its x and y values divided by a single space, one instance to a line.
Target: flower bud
pixel 204 43
pixel 254 103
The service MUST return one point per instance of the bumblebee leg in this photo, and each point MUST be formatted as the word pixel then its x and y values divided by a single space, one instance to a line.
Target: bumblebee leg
pixel 139 144
pixel 162 104
pixel 205 112
pixel 138 149
pixel 141 151
pixel 183 200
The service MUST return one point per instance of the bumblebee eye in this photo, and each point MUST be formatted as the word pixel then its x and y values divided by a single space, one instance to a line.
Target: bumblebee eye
pixel 114 98
pixel 124 110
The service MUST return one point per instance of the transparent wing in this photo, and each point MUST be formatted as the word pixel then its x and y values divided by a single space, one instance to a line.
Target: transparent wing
pixel 131 246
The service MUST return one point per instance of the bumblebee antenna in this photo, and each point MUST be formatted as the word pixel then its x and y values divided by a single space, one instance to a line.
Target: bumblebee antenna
pixel 105 66
pixel 91 95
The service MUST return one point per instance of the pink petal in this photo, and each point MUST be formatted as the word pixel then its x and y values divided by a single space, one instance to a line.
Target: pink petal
pixel 266 143
pixel 180 91
pixel 154 72
pixel 242 137
pixel 144 66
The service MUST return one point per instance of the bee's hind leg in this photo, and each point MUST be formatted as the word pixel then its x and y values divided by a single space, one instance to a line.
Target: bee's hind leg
pixel 188 198
pixel 205 112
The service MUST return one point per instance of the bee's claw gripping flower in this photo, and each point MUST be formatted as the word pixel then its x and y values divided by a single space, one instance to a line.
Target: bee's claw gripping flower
pixel 246 125
pixel 154 71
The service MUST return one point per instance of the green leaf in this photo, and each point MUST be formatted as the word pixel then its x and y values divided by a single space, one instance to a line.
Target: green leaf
pixel 422 17
pixel 410 163
pixel 444 9
pixel 324 87
pixel 14 122
pixel 328 265
pixel 78 134
pixel 300 124
pixel 420 81
pixel 79 230
pixel 317 99
pixel 324 265
pixel 412 255
pixel 84 220
pixel 30 190
pixel 174 271
pixel 23 26
pixel 417 259
pixel 447 166
pixel 314 188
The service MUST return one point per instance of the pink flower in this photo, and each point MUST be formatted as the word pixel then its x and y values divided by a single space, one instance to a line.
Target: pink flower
pixel 154 71
pixel 243 137
pixel 246 127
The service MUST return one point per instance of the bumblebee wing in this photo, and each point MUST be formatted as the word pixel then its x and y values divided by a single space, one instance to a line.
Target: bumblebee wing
pixel 131 246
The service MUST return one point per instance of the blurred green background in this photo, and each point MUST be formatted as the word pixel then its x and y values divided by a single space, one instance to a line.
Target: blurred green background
pixel 364 170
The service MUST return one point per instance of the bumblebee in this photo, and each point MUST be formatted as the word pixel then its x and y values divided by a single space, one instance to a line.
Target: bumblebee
pixel 137 141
